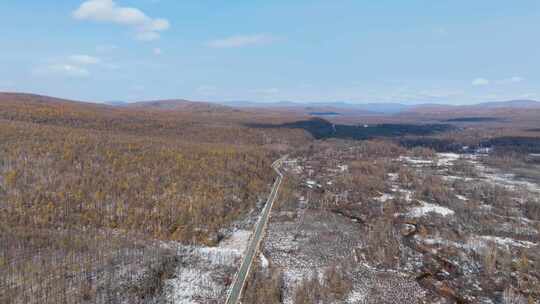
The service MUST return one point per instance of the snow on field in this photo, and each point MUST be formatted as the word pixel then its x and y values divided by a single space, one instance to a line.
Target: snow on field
pixel 437 240
pixel 237 241
pixel 415 161
pixel 507 180
pixel 447 159
pixel 303 245
pixel 461 197
pixel 486 207
pixel 481 241
pixel 393 177
pixel 407 193
pixel 427 208
pixel 264 261
pixel 384 197
pixel 202 274
pixel 455 177
pixel 377 286
pixel 218 256
pixel 444 160
pixel 292 277
pixel 475 242
pixel 490 174
pixel 357 296
pixel 191 284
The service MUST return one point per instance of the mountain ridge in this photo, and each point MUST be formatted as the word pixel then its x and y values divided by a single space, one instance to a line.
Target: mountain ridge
pixel 340 107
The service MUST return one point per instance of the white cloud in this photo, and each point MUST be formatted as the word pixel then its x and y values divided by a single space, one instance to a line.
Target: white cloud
pixel 242 41
pixel 157 51
pixel 146 28
pixel 480 82
pixel 68 70
pixel 84 59
pixel 509 80
pixel 514 79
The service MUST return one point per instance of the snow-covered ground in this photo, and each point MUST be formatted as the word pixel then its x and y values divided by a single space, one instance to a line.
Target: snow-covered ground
pixel 204 273
pixel 407 194
pixel 417 162
pixel 491 175
pixel 461 197
pixel 191 284
pixel 481 241
pixel 384 197
pixel 476 242
pixel 427 208
pixel 237 241
pixel 449 235
pixel 308 243
pixel 357 296
pixel 507 180
pixel 447 159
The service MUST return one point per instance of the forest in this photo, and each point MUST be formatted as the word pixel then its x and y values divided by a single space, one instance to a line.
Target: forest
pixel 92 196
pixel 87 192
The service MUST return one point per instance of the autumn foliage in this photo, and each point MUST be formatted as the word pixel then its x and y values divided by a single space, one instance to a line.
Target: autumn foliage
pixel 86 193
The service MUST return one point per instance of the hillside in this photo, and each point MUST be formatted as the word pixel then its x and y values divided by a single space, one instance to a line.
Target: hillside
pixel 526 104
pixel 33 99
pixel 89 190
pixel 192 121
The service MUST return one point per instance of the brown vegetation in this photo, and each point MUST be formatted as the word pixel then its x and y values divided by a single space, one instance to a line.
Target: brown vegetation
pixel 334 284
pixel 87 190
pixel 264 286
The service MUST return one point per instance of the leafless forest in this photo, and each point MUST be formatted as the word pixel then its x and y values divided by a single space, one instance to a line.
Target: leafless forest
pixel 102 204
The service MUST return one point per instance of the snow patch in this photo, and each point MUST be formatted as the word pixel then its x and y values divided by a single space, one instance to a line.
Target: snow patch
pixel 408 193
pixel 479 242
pixel 191 284
pixel 415 161
pixel 437 240
pixel 196 280
pixel 447 159
pixel 429 208
pixel 264 261
pixel 383 198
pixel 357 296
pixel 237 241
pixel 292 277
pixel 218 256
pixel 461 197
pixel 393 176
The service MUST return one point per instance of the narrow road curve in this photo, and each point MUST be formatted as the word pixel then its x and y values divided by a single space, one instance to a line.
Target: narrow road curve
pixel 235 291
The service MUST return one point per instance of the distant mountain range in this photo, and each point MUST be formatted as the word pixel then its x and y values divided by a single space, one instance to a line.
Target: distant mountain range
pixel 374 108
pixel 116 103
pixel 382 108
pixel 523 104
pixel 179 105
pixel 314 109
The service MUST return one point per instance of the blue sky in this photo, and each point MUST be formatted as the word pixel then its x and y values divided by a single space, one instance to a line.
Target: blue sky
pixel 310 51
